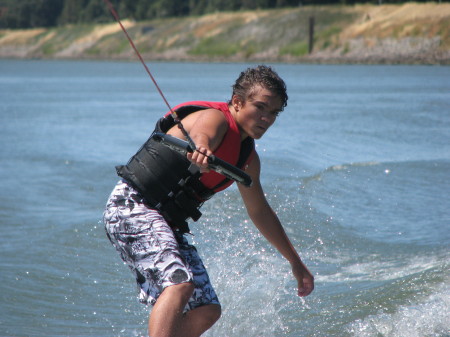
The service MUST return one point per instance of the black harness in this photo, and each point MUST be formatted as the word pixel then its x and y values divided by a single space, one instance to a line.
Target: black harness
pixel 167 180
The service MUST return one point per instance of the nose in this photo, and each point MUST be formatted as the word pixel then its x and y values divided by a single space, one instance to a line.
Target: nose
pixel 268 118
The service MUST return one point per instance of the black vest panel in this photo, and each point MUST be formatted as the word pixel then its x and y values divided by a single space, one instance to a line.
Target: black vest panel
pixel 167 180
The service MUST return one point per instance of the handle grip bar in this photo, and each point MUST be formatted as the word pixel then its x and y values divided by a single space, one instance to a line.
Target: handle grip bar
pixel 215 163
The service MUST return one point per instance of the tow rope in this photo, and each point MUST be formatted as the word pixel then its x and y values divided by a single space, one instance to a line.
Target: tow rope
pixel 215 163
pixel 173 113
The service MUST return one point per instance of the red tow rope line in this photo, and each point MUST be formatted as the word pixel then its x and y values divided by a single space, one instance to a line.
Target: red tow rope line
pixel 174 115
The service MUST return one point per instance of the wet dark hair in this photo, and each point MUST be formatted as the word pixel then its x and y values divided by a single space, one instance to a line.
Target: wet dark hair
pixel 261 75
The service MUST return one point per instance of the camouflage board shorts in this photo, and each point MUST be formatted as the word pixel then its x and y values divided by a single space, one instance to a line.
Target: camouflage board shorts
pixel 157 256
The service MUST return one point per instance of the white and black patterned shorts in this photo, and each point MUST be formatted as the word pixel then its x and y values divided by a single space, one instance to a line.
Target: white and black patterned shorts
pixel 157 256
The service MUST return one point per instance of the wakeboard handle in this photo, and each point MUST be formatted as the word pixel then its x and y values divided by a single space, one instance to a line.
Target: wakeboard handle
pixel 216 164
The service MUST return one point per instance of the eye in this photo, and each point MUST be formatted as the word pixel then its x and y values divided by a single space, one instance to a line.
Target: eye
pixel 259 106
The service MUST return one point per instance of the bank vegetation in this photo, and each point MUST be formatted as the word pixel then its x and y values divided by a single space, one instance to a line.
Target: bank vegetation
pixel 405 33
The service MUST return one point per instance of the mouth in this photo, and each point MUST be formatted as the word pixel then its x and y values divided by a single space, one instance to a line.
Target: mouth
pixel 261 126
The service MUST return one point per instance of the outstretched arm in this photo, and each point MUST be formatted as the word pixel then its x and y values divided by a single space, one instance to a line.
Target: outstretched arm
pixel 269 225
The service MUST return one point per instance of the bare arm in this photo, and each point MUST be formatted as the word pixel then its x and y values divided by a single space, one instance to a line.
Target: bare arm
pixel 207 129
pixel 269 225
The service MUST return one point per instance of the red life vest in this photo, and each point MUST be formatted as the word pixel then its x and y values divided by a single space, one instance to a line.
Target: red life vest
pixel 228 150
pixel 169 182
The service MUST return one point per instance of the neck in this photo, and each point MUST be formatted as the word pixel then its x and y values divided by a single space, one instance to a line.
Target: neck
pixel 234 113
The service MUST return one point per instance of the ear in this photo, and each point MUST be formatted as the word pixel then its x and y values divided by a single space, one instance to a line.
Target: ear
pixel 237 102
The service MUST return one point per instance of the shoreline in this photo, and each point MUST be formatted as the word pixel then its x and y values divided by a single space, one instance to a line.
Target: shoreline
pixel 410 33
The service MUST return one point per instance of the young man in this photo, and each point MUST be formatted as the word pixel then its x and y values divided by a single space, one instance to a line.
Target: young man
pixel 146 214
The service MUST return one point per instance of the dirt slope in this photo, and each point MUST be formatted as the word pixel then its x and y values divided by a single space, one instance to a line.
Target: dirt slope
pixel 409 33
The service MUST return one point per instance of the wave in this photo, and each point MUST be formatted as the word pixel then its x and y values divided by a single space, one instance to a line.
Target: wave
pixel 389 268
pixel 429 318
pixel 387 166
pixel 349 165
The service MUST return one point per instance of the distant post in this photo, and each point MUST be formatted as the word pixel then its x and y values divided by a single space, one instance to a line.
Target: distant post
pixel 3 11
pixel 311 34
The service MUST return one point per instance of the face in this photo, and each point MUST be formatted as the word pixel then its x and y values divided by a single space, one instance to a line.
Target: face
pixel 257 113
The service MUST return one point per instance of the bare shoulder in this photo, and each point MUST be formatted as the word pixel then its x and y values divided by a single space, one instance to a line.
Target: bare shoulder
pixel 210 115
pixel 207 119
pixel 211 119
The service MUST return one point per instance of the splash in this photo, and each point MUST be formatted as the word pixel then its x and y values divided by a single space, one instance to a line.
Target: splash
pixel 430 318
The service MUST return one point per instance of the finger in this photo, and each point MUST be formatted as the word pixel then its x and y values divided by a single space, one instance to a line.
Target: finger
pixel 197 157
pixel 304 292
pixel 307 288
pixel 202 151
pixel 202 157
pixel 205 161
pixel 301 288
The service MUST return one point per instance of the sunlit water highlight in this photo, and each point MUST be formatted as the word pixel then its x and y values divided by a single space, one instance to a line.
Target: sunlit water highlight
pixel 357 168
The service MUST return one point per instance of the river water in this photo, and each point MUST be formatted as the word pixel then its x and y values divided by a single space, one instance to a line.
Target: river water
pixel 357 168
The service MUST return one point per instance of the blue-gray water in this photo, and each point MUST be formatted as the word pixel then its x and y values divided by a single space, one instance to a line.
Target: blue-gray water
pixel 357 168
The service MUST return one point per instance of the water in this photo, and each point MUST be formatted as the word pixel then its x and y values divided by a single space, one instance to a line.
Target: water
pixel 357 168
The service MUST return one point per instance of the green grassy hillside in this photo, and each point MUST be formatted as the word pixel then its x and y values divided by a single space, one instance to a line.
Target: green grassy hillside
pixel 409 33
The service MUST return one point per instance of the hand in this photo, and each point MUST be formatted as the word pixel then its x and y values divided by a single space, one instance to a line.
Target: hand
pixel 305 279
pixel 200 158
